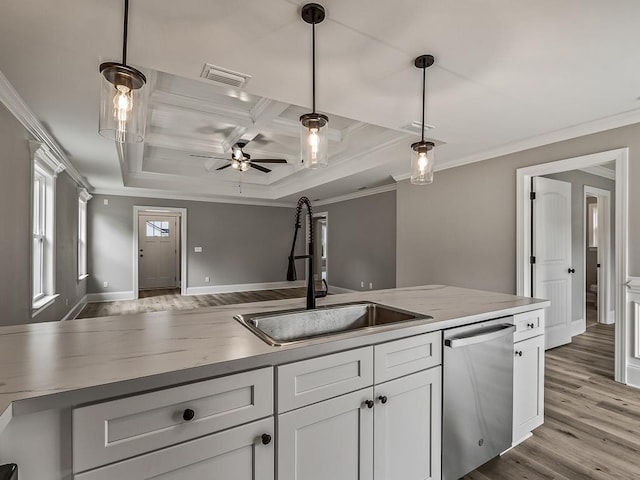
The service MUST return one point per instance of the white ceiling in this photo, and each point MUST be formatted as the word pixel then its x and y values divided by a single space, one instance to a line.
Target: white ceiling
pixel 508 75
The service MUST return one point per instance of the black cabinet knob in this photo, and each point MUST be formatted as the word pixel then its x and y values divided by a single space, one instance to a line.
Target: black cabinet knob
pixel 382 398
pixel 188 415
pixel 572 270
pixel 519 353
pixel 266 439
pixel 369 403
pixel 531 325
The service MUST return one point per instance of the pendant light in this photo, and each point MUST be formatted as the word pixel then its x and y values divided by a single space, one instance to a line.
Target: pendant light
pixel 122 113
pixel 314 126
pixel 422 154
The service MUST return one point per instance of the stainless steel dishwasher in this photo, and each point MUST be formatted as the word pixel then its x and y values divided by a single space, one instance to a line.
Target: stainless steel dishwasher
pixel 478 395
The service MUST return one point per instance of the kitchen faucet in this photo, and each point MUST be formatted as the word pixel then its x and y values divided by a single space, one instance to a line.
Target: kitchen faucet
pixel 291 270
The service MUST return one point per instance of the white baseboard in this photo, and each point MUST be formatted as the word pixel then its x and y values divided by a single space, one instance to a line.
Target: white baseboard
pixel 578 327
pixel 633 376
pixel 76 309
pixel 334 289
pixel 243 287
pixel 611 317
pixel 110 296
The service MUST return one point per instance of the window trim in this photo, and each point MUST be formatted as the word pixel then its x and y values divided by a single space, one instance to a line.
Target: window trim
pixel 47 168
pixel 83 200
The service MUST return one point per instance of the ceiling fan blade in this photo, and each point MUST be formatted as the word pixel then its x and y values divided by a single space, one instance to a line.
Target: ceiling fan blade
pixel 258 167
pixel 224 166
pixel 208 156
pixel 269 160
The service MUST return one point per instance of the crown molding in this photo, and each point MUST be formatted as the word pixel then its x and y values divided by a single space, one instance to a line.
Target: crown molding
pixel 159 194
pixel 589 128
pixel 392 187
pixel 600 171
pixel 21 111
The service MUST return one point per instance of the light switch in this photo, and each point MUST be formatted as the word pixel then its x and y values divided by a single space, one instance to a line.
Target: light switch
pixel 197 249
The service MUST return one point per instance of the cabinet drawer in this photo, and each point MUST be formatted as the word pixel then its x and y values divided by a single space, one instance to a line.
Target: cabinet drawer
pixel 528 324
pixel 408 355
pixel 111 431
pixel 238 453
pixel 310 381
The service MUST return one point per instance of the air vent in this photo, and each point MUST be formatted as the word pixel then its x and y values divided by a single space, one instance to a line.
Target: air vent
pixel 224 76
pixel 416 127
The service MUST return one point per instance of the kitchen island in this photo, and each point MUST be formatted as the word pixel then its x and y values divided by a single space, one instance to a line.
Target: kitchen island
pixel 51 371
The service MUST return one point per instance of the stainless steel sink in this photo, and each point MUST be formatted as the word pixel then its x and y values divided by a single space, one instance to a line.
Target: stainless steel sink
pixel 290 326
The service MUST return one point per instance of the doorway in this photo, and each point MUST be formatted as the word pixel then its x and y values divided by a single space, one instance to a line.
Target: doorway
pixel 159 250
pixel 321 254
pixel 524 265
pixel 598 256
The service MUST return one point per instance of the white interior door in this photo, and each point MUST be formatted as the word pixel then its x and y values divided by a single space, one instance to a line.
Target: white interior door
pixel 552 251
pixel 157 251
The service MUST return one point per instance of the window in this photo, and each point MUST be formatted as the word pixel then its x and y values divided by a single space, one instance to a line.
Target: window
pixel 157 228
pixel 83 198
pixel 45 170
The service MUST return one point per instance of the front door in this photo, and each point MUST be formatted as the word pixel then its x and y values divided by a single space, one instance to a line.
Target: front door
pixel 157 251
pixel 551 248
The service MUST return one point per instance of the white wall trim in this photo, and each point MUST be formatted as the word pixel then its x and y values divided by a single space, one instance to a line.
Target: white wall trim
pixel 358 194
pixel 523 233
pixel 243 287
pixel 600 171
pixel 633 376
pixel 182 212
pixel 11 99
pixel 634 285
pixel 334 289
pixel 110 296
pixel 578 327
pixel 166 195
pixel 76 309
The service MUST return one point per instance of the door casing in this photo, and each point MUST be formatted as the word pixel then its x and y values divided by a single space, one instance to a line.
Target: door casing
pixel 523 234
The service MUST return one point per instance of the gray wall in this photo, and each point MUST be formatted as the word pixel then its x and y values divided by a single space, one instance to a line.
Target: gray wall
pixel 15 237
pixel 578 180
pixel 362 241
pixel 241 243
pixel 461 230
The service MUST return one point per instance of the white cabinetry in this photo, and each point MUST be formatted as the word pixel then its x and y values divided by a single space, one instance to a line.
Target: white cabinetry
pixel 528 373
pixel 335 438
pixel 152 435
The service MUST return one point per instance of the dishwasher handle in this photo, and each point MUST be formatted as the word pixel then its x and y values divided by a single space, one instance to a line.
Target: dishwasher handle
pixel 481 337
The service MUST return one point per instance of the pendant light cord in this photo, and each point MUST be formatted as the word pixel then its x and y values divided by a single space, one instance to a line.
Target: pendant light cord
pixel 424 98
pixel 313 56
pixel 125 31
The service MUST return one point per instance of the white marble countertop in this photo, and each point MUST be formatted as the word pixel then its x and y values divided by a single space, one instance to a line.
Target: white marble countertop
pixel 62 364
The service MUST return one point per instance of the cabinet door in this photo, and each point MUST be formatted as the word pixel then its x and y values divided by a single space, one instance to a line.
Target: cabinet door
pixel 528 386
pixel 328 440
pixel 408 417
pixel 237 454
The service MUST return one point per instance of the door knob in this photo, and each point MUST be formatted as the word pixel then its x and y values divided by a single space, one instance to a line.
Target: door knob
pixel 572 270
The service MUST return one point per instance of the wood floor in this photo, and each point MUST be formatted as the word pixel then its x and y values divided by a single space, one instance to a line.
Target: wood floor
pixel 170 299
pixel 592 424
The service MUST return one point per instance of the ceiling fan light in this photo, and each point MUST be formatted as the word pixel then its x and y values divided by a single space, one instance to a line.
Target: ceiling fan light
pixel 314 140
pixel 422 163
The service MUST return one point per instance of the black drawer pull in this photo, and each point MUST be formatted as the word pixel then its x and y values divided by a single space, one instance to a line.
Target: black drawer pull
pixel 266 439
pixel 369 403
pixel 188 415
pixel 382 398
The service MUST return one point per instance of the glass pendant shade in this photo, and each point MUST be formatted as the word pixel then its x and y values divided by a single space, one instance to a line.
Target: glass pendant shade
pixel 122 103
pixel 422 163
pixel 314 140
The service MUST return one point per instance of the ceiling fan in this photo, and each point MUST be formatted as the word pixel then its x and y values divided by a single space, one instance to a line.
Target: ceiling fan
pixel 242 161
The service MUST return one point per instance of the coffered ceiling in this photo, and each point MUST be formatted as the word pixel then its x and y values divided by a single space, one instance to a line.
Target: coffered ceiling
pixel 508 75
